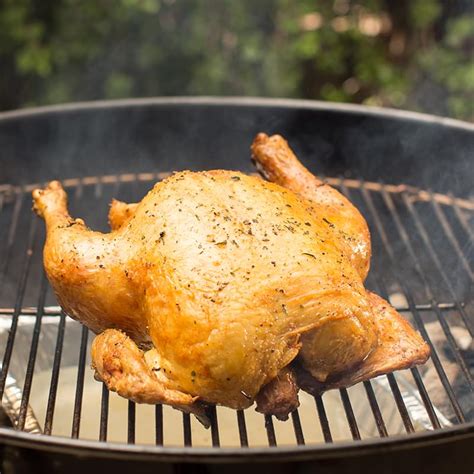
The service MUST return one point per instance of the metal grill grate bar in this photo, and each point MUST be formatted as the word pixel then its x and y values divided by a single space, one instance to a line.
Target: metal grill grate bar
pixel 187 429
pixel 19 298
pixel 425 398
pixel 270 430
pixel 244 442
pixel 53 389
pixel 104 413
pixel 400 403
pixel 374 406
pixel 33 352
pixel 131 422
pixel 295 417
pixel 76 419
pixel 214 426
pixel 159 425
pixel 323 419
pixel 350 414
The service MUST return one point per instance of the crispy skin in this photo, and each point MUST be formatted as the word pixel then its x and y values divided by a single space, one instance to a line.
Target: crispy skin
pixel 280 396
pixel 277 162
pixel 399 347
pixel 120 213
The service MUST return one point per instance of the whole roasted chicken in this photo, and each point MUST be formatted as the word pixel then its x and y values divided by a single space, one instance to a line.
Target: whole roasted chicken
pixel 223 288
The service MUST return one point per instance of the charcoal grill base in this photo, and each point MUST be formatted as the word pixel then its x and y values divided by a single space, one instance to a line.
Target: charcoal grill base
pixel 81 144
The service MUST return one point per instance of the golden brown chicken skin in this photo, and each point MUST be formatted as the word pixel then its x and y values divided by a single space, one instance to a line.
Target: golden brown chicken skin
pixel 229 278
pixel 276 161
pixel 399 347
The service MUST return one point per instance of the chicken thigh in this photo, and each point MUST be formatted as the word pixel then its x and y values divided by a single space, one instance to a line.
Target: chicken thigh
pixel 217 283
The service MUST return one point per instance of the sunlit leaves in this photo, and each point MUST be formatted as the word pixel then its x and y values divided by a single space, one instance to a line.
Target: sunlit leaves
pixel 377 52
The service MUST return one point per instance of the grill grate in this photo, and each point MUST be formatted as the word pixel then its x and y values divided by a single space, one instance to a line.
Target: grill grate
pixel 422 247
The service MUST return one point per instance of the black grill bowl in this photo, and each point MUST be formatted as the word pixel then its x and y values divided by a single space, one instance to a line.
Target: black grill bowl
pixel 410 174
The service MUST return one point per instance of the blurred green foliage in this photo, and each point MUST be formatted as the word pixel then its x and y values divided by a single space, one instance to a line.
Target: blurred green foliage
pixel 414 54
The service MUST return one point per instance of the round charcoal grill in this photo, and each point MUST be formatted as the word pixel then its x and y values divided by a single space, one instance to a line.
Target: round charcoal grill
pixel 411 176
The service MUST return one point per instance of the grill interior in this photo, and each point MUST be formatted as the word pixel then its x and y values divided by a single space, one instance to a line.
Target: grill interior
pixel 422 263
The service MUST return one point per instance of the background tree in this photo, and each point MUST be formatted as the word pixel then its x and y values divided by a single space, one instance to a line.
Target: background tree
pixel 415 54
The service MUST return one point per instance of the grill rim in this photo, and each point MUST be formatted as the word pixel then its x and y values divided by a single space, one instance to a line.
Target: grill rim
pixel 57 444
pixel 464 431
pixel 236 101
